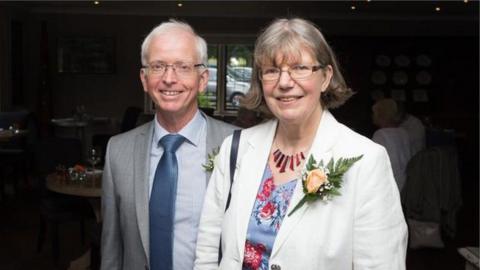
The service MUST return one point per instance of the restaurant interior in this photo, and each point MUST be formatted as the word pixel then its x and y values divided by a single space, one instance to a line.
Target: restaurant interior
pixel 69 80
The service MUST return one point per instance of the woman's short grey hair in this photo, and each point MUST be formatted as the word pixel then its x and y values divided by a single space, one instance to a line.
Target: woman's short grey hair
pixel 290 38
pixel 172 25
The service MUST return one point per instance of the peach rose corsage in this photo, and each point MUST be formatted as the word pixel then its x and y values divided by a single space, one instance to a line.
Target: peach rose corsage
pixel 323 182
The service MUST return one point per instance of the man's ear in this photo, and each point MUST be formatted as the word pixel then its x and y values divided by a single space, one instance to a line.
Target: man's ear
pixel 143 78
pixel 203 80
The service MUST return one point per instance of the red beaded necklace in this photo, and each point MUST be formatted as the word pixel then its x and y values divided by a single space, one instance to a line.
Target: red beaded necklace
pixel 281 160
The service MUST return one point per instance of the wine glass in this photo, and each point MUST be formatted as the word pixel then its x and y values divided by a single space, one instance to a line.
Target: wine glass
pixel 94 157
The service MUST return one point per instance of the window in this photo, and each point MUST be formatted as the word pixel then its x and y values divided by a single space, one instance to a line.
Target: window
pixel 230 71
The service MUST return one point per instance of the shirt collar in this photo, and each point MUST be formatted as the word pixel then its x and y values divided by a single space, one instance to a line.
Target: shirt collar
pixel 191 131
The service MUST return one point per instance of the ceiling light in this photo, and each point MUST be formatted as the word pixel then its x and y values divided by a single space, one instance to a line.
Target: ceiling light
pixel 437 9
pixel 465 1
pixel 179 4
pixel 353 7
pixel 96 2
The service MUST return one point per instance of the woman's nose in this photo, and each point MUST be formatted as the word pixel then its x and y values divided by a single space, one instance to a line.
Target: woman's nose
pixel 285 82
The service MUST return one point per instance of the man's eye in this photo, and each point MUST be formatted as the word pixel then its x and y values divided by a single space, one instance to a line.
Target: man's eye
pixel 183 67
pixel 157 67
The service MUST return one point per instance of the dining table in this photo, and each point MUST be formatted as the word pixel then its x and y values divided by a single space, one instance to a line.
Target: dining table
pixel 79 124
pixel 7 135
pixel 89 188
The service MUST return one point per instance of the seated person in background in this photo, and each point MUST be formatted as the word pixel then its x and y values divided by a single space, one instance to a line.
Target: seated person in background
pixel 394 138
pixel 414 128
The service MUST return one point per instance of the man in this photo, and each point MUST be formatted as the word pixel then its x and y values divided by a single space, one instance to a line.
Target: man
pixel 153 195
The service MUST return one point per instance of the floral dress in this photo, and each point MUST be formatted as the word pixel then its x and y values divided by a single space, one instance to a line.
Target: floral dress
pixel 268 212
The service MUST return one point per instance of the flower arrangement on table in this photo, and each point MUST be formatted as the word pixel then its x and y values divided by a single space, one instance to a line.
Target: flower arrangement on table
pixel 78 173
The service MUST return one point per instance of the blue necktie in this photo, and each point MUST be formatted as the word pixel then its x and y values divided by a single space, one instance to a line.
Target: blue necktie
pixel 162 205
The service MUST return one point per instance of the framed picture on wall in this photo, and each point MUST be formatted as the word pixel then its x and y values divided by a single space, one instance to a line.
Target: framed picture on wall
pixel 88 55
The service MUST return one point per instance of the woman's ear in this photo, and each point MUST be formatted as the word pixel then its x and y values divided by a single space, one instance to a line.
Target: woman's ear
pixel 328 74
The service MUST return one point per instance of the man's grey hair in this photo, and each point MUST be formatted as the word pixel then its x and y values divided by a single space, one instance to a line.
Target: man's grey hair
pixel 175 25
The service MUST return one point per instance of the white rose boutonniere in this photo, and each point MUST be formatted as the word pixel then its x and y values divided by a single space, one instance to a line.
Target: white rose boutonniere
pixel 208 167
pixel 323 182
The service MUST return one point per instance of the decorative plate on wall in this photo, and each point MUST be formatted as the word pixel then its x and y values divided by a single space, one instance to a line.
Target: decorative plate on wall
pixel 377 94
pixel 398 94
pixel 382 60
pixel 402 60
pixel 423 77
pixel 378 77
pixel 420 95
pixel 400 78
pixel 423 60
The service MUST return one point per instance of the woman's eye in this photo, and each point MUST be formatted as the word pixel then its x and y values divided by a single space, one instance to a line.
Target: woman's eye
pixel 270 71
pixel 300 67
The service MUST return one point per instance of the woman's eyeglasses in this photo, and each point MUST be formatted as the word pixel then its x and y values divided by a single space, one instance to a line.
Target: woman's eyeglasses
pixel 296 72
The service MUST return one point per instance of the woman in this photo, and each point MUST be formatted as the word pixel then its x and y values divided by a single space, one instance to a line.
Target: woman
pixel 395 139
pixel 296 79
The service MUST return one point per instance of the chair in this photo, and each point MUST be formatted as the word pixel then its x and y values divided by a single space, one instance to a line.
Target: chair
pixel 432 192
pixel 56 209
pixel 129 121
pixel 14 153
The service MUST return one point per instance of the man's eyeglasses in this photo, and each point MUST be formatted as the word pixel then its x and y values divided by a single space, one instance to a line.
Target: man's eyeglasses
pixel 296 72
pixel 181 69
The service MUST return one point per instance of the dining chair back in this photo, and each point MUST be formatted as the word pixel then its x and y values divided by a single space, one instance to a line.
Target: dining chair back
pixel 14 154
pixel 432 192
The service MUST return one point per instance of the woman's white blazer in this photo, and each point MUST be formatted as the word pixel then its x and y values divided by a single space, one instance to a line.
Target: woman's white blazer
pixel 363 228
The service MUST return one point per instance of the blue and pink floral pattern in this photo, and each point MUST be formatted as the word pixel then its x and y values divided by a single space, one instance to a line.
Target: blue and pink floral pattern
pixel 267 215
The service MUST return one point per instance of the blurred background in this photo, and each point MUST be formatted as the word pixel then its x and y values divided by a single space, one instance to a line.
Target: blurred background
pixel 69 79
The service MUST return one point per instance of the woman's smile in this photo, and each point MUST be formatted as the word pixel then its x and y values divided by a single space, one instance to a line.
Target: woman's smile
pixel 288 99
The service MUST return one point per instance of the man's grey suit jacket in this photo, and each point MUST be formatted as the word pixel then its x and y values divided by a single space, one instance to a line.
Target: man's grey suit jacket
pixel 125 184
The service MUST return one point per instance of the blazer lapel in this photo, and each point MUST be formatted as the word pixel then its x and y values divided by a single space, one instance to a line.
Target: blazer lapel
pixel 250 169
pixel 143 142
pixel 321 149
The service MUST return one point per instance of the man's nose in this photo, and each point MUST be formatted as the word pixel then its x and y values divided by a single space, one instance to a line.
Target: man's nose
pixel 170 76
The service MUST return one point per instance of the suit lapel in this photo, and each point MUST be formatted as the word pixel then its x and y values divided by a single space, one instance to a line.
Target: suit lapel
pixel 213 141
pixel 215 137
pixel 321 149
pixel 250 169
pixel 141 169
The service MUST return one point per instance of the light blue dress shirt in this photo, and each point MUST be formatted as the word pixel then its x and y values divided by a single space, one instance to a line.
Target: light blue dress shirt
pixel 191 186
